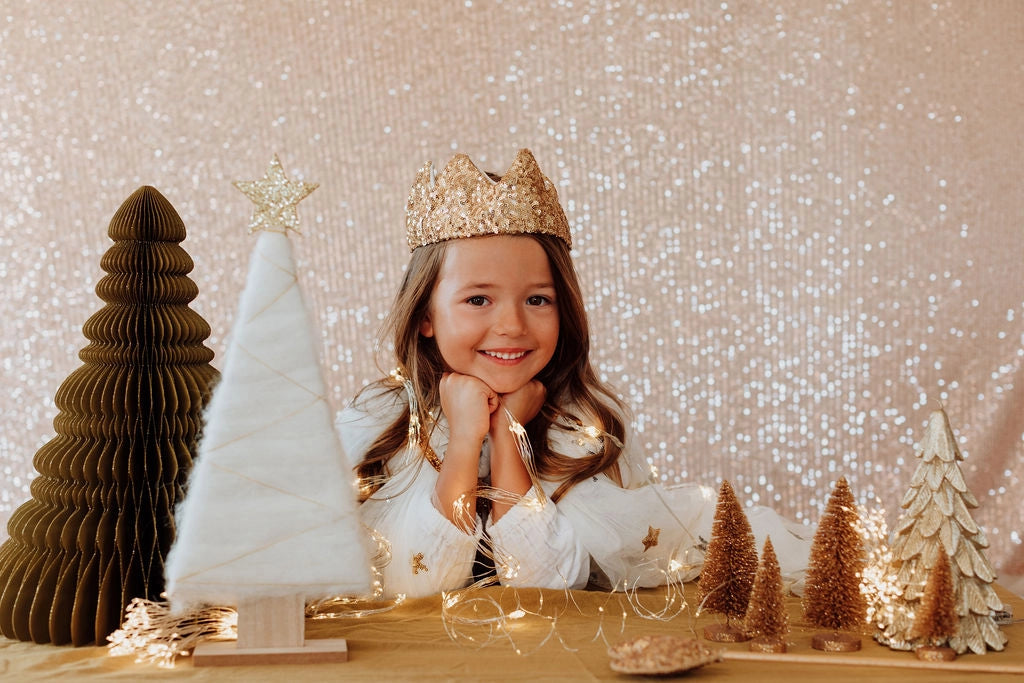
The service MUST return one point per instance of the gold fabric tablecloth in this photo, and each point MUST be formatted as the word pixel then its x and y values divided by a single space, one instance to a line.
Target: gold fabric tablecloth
pixel 559 636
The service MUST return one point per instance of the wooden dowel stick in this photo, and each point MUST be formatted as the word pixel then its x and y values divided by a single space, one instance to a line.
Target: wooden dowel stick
pixel 908 663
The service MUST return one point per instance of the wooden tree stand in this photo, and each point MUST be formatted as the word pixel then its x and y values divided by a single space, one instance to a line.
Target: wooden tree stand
pixel 770 644
pixel 834 641
pixel 934 653
pixel 271 631
pixel 724 633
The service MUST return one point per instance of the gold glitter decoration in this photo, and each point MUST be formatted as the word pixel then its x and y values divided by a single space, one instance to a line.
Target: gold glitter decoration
pixel 660 654
pixel 276 199
pixel 651 539
pixel 731 560
pixel 766 613
pixel 417 563
pixel 937 519
pixel 464 202
pixel 935 618
pixel 833 597
pixel 430 454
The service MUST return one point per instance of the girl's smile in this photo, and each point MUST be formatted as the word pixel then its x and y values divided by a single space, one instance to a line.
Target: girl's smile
pixel 493 312
pixel 506 356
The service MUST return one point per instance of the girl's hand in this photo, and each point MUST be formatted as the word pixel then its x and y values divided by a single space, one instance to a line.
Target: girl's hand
pixel 524 403
pixel 468 403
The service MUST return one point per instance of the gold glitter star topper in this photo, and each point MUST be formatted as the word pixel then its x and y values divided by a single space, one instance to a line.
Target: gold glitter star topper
pixel 651 539
pixel 276 198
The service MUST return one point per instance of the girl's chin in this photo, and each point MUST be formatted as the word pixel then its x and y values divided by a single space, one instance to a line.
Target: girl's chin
pixel 503 385
pixel 507 390
pixel 500 382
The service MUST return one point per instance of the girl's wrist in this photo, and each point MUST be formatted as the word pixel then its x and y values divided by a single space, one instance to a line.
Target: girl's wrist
pixel 469 444
pixel 501 436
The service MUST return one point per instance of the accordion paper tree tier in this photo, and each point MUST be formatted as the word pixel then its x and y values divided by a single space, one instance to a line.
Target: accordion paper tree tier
pixel 100 522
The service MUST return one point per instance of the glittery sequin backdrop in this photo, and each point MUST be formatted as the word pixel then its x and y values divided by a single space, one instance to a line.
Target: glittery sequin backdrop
pixel 799 225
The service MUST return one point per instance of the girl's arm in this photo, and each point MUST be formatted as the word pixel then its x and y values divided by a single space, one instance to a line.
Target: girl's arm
pixel 467 403
pixel 534 544
pixel 508 472
pixel 428 553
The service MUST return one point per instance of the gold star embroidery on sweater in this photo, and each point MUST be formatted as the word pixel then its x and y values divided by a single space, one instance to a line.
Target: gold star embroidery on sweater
pixel 417 563
pixel 651 539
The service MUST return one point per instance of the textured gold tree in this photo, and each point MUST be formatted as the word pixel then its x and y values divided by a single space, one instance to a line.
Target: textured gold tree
pixel 936 620
pixel 100 522
pixel 767 620
pixel 832 598
pixel 937 516
pixel 729 567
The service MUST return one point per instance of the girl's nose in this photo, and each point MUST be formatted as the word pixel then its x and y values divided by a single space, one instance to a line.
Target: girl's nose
pixel 510 322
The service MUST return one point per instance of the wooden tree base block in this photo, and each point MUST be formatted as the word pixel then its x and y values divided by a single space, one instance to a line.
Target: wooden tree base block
pixel 724 633
pixel 769 644
pixel 932 653
pixel 227 653
pixel 271 630
pixel 835 642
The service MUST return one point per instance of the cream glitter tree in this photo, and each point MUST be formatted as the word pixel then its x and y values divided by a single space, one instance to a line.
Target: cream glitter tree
pixel 936 517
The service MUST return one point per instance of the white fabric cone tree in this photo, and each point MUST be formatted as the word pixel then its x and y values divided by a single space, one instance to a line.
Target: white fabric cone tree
pixel 271 507
pixel 936 519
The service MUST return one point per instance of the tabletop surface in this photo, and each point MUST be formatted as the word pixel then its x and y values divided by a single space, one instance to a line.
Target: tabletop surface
pixel 531 634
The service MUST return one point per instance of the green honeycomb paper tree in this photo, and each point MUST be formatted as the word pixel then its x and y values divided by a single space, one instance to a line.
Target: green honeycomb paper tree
pixel 100 522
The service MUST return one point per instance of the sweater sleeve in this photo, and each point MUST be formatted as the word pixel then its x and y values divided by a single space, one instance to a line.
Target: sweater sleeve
pixel 638 534
pixel 535 545
pixel 425 553
pixel 647 534
pixel 428 554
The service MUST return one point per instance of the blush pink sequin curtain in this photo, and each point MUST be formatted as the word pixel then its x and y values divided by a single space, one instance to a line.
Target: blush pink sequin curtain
pixel 799 225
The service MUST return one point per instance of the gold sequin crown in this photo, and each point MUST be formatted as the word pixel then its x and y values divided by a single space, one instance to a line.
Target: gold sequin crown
pixel 464 202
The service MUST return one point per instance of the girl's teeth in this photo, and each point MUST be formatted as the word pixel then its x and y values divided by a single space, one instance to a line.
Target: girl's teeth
pixel 506 356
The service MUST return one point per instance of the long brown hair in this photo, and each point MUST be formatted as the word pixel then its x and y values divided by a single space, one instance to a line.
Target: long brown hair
pixel 569 378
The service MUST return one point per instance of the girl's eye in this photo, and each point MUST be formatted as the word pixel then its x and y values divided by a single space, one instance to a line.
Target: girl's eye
pixel 538 300
pixel 476 300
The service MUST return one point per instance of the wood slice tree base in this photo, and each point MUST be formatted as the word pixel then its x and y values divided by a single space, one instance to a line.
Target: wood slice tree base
pixel 724 633
pixel 769 644
pixel 835 642
pixel 933 653
pixel 227 653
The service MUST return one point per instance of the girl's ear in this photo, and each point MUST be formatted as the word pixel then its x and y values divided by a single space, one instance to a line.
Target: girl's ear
pixel 426 327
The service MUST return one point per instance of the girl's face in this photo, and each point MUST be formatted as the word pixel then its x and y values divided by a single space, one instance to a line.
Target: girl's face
pixel 493 312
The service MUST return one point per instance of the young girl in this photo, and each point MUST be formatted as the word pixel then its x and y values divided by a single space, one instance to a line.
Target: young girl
pixel 495 434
